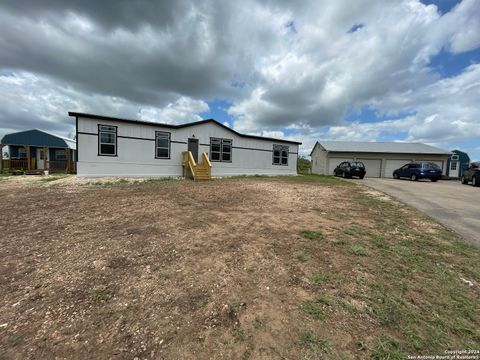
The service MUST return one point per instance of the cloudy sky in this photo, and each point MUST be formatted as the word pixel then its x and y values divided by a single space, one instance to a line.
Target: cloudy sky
pixel 348 70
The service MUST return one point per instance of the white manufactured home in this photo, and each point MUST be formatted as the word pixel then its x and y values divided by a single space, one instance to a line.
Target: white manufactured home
pixel 380 158
pixel 108 146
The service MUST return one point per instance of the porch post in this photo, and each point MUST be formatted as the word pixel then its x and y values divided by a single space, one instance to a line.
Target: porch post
pixel 67 151
pixel 1 157
pixel 27 150
pixel 45 157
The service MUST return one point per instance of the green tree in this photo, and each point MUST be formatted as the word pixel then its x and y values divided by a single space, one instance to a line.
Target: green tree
pixel 303 165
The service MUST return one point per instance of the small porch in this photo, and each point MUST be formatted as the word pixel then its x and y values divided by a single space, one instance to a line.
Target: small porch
pixel 36 152
pixel 33 160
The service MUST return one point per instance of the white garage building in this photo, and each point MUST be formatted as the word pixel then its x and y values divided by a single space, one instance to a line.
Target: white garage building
pixel 380 158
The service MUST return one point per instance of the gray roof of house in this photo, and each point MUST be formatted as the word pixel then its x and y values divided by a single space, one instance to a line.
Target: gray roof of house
pixel 381 147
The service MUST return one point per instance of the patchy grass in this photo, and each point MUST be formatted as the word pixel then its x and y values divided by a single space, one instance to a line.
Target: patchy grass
pixel 311 341
pixel 301 256
pixel 239 334
pixel 233 267
pixel 319 277
pixel 359 250
pixel 386 348
pixel 326 300
pixel 101 294
pixel 313 309
pixel 312 235
pixel 313 178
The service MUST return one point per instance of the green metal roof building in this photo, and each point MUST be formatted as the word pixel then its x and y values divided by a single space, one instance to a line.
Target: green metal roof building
pixel 37 150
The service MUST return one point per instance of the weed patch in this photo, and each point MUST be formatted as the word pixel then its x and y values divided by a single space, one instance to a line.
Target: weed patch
pixel 319 277
pixel 313 309
pixel 359 250
pixel 312 235
pixel 313 342
pixel 301 256
pixel 239 334
pixel 387 348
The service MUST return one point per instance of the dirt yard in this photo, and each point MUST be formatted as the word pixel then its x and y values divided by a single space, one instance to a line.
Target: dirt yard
pixel 247 268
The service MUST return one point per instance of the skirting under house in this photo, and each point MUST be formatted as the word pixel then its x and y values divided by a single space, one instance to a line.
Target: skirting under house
pixel 108 146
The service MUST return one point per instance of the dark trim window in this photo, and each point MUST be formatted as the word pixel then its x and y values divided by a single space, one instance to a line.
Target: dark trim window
pixel 280 155
pixel 107 140
pixel 162 145
pixel 22 153
pixel 60 154
pixel 221 150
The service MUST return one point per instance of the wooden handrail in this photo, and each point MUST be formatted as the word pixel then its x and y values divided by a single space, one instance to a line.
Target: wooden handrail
pixel 206 160
pixel 189 163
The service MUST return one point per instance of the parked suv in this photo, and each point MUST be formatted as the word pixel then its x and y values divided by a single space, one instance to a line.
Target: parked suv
pixel 347 169
pixel 419 170
pixel 472 174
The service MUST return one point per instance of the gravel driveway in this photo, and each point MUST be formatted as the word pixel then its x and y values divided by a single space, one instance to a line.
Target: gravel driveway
pixel 455 205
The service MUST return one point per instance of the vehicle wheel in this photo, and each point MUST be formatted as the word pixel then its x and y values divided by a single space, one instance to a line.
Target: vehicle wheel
pixel 413 177
pixel 335 173
pixel 434 180
pixel 361 177
pixel 475 181
pixel 464 181
pixel 395 176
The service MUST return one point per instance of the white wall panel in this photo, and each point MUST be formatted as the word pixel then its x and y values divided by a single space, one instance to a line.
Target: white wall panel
pixel 136 154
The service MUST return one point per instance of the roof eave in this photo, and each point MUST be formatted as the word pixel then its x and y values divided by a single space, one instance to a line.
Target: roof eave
pixel 171 126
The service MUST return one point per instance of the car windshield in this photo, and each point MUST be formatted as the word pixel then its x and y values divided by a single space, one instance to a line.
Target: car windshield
pixel 430 166
pixel 358 164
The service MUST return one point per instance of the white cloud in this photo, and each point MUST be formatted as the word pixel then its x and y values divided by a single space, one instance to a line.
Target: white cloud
pixel 297 68
pixel 33 101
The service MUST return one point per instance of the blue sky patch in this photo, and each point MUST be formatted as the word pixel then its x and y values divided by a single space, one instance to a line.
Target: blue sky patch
pixel 443 6
pixel 448 64
pixel 218 111
pixel 355 27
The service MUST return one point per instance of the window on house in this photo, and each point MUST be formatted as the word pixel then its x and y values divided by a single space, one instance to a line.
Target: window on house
pixel 280 155
pixel 162 145
pixel 60 154
pixel 107 140
pixel 22 154
pixel 453 166
pixel 221 149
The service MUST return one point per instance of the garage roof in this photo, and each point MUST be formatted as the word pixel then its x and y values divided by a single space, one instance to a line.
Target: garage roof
pixel 381 147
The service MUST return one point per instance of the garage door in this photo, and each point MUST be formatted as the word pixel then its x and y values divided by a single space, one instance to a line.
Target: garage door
pixel 439 163
pixel 333 162
pixel 373 167
pixel 392 165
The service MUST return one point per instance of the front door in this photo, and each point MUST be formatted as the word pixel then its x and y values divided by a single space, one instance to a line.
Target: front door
pixel 454 168
pixel 193 148
pixel 40 158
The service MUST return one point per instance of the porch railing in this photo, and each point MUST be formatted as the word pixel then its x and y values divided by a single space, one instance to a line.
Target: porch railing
pixel 52 166
pixel 17 164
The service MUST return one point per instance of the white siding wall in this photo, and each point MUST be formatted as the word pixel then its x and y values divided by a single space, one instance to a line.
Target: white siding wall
pixel 319 160
pixel 136 157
